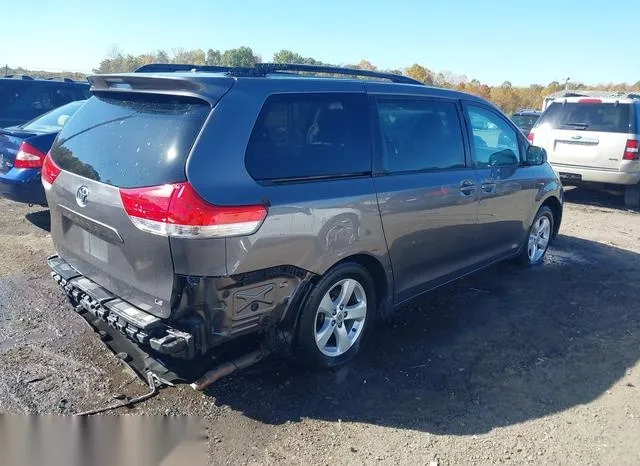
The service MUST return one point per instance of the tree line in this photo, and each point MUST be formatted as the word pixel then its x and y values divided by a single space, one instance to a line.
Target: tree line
pixel 7 71
pixel 506 96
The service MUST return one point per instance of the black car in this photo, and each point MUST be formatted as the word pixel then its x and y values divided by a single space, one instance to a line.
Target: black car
pixel 23 98
pixel 525 119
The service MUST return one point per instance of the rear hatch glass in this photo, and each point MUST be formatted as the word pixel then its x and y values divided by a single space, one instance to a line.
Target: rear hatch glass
pixel 131 140
pixel 525 122
pixel 601 117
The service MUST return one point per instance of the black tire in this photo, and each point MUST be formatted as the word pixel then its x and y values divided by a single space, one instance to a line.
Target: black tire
pixel 632 196
pixel 525 255
pixel 306 350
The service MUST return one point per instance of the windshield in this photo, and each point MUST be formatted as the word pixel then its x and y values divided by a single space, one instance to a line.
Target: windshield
pixel 605 117
pixel 53 121
pixel 525 121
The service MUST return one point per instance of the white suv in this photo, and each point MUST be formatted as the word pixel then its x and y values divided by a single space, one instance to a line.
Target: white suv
pixel 593 141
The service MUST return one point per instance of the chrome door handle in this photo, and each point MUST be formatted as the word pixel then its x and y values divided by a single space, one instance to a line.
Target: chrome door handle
pixel 488 187
pixel 467 187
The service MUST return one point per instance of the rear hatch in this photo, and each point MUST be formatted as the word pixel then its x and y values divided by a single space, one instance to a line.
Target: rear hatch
pixel 585 133
pixel 117 146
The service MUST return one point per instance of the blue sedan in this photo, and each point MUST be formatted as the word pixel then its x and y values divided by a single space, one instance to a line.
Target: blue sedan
pixel 22 151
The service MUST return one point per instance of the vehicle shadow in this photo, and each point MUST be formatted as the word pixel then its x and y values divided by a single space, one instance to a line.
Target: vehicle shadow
pixel 41 219
pixel 595 198
pixel 501 347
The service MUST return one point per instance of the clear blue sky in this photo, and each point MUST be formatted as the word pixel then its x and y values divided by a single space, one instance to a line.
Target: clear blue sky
pixel 492 40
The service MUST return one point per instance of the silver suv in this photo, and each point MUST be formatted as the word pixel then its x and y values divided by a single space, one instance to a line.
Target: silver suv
pixel 194 205
pixel 594 141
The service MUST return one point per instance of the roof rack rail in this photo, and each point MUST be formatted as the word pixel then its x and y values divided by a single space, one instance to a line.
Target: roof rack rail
pixel 59 78
pixel 263 69
pixel 172 67
pixel 19 76
pixel 266 68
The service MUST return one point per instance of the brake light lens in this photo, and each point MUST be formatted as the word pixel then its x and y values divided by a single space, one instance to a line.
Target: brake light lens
pixel 176 210
pixel 589 101
pixel 531 136
pixel 631 150
pixel 50 172
pixel 29 157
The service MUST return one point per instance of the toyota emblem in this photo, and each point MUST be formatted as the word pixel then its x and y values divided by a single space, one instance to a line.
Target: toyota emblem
pixel 82 194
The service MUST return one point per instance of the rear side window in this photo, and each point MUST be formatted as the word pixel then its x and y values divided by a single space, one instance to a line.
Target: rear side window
pixel 63 95
pixel 10 91
pixel 130 140
pixel 43 100
pixel 605 117
pixel 302 136
pixel 420 135
pixel 81 92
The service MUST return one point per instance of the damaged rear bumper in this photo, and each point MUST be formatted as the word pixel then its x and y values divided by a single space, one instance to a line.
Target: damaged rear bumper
pixel 140 327
pixel 214 319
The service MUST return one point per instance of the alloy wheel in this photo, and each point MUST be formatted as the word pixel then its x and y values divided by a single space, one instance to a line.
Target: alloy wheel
pixel 539 237
pixel 340 317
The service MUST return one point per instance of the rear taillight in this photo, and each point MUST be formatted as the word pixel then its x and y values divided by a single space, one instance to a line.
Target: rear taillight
pixel 531 137
pixel 50 172
pixel 631 150
pixel 176 210
pixel 29 157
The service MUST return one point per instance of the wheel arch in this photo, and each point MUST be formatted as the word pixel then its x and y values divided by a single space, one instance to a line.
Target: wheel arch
pixel 553 203
pixel 382 277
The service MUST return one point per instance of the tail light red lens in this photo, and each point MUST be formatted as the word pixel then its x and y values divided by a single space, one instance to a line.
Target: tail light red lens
pixel 29 157
pixel 531 137
pixel 50 172
pixel 631 150
pixel 589 101
pixel 176 210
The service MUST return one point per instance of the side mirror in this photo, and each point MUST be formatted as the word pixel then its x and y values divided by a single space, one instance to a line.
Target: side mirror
pixel 535 155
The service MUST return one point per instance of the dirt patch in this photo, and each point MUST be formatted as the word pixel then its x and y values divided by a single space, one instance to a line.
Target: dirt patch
pixel 512 365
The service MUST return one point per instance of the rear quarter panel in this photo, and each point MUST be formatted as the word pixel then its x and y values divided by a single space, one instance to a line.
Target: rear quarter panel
pixel 311 225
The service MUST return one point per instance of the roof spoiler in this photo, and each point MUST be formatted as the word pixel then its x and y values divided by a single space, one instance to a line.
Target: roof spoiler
pixel 204 89
pixel 263 69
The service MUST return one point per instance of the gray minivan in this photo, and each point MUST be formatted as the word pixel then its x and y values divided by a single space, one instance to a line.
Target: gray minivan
pixel 192 205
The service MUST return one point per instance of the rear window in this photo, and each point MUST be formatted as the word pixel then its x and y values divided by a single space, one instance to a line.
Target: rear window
pixel 10 91
pixel 54 120
pixel 525 121
pixel 302 136
pixel 605 117
pixel 130 140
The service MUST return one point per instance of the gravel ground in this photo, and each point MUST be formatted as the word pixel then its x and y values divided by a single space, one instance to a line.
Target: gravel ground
pixel 511 365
